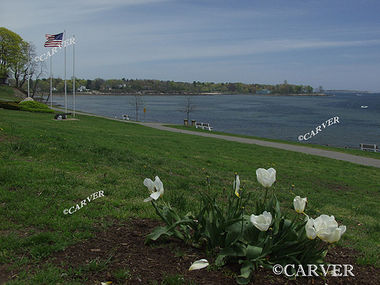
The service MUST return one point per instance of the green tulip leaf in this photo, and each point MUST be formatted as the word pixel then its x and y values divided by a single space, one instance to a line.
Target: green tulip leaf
pixel 220 260
pixel 245 272
pixel 157 233
pixel 253 252
pixel 235 250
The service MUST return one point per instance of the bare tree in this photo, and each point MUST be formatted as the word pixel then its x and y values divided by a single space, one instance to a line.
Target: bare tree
pixel 137 104
pixel 27 66
pixel 188 107
pixel 38 74
pixel 19 67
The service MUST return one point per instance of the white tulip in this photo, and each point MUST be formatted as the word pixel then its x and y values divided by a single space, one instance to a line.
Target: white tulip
pixel 299 204
pixel 199 264
pixel 325 227
pixel 266 177
pixel 333 234
pixel 236 186
pixel 310 230
pixel 263 221
pixel 155 188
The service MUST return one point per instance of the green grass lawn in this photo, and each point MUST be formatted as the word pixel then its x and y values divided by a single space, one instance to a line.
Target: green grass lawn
pixel 47 166
pixel 339 149
pixel 7 93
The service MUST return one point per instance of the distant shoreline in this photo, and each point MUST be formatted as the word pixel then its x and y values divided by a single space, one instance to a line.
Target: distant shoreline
pixel 181 94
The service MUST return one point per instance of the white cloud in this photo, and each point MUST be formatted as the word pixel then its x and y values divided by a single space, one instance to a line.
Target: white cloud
pixel 138 49
pixel 25 13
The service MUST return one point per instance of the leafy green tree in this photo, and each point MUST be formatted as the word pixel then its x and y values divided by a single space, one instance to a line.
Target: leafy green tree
pixel 88 84
pixel 98 84
pixel 13 53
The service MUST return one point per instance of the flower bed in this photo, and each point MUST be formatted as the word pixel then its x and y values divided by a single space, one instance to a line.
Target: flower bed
pixel 262 239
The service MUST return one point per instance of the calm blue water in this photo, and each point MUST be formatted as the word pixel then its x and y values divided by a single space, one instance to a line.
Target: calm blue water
pixel 275 117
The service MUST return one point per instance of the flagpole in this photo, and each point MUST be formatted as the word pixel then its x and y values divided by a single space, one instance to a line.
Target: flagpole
pixel 64 37
pixel 51 83
pixel 74 77
pixel 28 70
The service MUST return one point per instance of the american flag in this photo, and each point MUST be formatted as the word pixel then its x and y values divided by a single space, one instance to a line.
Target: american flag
pixel 53 40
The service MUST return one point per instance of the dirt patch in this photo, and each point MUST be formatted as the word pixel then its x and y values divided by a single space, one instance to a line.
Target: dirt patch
pixel 4 274
pixel 121 249
pixel 4 138
pixel 337 187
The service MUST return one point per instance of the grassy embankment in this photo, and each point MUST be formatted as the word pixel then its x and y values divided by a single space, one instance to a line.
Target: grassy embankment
pixel 7 93
pixel 344 150
pixel 47 166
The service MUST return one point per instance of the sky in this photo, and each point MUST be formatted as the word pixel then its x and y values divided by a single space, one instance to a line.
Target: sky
pixel 330 43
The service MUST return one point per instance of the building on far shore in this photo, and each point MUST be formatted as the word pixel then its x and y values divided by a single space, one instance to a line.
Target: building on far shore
pixel 263 92
pixel 82 89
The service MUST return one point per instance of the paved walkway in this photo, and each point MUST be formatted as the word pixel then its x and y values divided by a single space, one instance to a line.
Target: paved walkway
pixel 308 150
pixel 367 161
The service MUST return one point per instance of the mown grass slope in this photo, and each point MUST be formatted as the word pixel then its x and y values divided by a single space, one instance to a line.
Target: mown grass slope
pixel 7 93
pixel 358 152
pixel 47 166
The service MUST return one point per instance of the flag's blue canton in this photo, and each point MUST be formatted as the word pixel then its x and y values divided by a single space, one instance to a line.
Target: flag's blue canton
pixel 58 36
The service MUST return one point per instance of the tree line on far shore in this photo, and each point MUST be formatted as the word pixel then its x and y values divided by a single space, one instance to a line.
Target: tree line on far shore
pixel 154 87
pixel 16 64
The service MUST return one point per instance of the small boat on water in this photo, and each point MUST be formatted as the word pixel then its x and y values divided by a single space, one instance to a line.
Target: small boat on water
pixel 364 106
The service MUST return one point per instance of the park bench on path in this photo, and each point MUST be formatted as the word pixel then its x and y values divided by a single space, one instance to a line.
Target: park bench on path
pixel 203 126
pixel 369 147
pixel 61 116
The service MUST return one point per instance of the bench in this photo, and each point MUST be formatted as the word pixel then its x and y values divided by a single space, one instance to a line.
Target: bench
pixel 203 126
pixel 369 147
pixel 61 116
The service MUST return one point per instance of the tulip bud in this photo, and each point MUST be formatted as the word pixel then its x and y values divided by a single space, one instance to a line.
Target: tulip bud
pixel 299 204
pixel 266 177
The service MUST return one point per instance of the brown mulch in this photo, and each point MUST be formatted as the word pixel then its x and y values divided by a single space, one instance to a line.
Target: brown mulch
pixel 123 246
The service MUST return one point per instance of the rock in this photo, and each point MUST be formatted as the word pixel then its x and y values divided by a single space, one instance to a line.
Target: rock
pixel 27 99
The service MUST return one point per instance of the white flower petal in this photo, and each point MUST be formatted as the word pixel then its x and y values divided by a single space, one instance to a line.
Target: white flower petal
pixel 148 199
pixel 310 230
pixel 272 172
pixel 343 229
pixel 237 186
pixel 149 183
pixel 155 195
pixel 158 184
pixel 199 264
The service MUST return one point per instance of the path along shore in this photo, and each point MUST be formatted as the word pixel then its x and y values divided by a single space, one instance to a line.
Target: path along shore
pixel 367 161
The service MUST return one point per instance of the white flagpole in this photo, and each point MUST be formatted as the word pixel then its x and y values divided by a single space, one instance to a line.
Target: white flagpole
pixel 28 70
pixel 74 77
pixel 64 37
pixel 51 83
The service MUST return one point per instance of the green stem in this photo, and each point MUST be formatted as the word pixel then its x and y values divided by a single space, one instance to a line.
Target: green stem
pixel 242 221
pixel 266 193
pixel 159 213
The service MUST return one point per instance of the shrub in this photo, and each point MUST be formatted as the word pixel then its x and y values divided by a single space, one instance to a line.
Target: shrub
pixel 33 106
pixel 9 105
